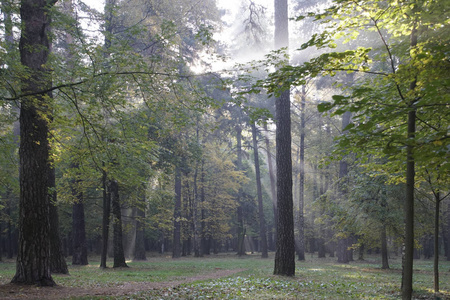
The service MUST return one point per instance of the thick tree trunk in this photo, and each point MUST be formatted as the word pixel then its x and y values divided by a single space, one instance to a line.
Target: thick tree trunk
pixel 119 254
pixel 105 221
pixel 33 259
pixel 176 248
pixel 342 251
pixel 262 220
pixel 79 244
pixel 285 250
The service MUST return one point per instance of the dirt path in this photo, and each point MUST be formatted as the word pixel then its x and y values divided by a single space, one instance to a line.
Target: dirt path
pixel 9 291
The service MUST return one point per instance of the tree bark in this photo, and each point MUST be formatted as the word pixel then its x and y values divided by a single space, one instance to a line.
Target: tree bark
pixel 119 254
pixel 262 220
pixel 33 259
pixel 285 250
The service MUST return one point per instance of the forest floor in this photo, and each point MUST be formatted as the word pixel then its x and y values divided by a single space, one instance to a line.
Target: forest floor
pixel 11 291
pixel 227 276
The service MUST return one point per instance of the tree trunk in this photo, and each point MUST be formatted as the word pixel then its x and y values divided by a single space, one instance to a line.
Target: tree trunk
pixel 79 244
pixel 119 254
pixel 194 223
pixel 139 253
pixel 361 250
pixel 176 250
pixel 105 220
pixel 448 230
pixel 409 215
pixel 322 205
pixel 285 250
pixel 9 239
pixel 407 274
pixel 58 263
pixel 33 259
pixel 343 171
pixel 205 238
pixel 349 251
pixel 342 251
pixel 384 249
pixel 273 191
pixel 436 241
pixel 240 216
pixel 262 220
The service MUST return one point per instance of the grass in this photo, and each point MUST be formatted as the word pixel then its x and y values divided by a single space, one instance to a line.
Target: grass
pixel 315 278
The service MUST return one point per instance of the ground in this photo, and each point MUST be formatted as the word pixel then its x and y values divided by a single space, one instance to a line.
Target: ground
pixel 10 291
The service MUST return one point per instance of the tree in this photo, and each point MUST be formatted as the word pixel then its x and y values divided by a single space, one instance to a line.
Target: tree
pixel 33 260
pixel 285 252
pixel 411 85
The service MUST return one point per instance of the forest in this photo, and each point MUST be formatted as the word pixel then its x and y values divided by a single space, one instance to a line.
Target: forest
pixel 185 128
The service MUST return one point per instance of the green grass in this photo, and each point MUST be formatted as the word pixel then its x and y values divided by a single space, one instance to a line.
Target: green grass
pixel 315 278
